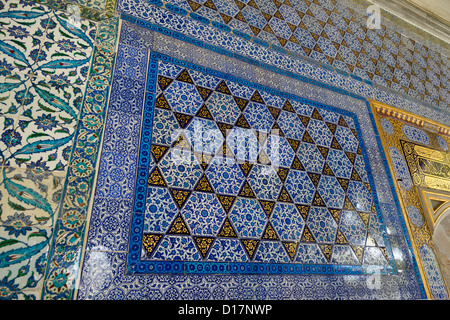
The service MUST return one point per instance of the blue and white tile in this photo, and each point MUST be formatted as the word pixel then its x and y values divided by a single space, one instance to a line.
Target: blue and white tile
pixel 116 176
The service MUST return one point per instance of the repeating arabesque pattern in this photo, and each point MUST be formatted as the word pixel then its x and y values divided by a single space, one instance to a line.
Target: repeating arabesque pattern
pixel 334 34
pixel 44 67
pixel 30 160
pixel 54 84
pixel 105 264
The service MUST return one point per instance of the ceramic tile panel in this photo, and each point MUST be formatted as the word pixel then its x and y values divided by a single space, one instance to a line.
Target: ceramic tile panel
pixel 272 55
pixel 279 189
pixel 168 211
pixel 333 34
pixel 44 67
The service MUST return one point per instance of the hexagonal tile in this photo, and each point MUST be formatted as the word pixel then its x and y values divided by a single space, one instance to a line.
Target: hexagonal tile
pixel 165 127
pixel 287 221
pixel 183 97
pixel 244 144
pixel 291 125
pixel 320 133
pixel 180 170
pixel 248 218
pixel 310 157
pixel 225 178
pixel 223 108
pixel 331 192
pixel 346 139
pixel 203 213
pixel 353 228
pixel 159 210
pixel 259 117
pixel 339 163
pixel 265 182
pixel 322 225
pixel 204 136
pixel 300 187
pixel 359 196
pixel 279 151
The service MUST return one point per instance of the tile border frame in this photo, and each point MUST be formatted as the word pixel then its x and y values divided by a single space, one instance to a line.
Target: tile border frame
pixel 137 266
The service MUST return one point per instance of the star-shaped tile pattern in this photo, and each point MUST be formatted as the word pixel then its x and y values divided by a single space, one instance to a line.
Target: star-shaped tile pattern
pixel 334 34
pixel 244 175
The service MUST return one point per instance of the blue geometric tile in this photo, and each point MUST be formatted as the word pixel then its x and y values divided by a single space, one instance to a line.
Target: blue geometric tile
pixel 180 170
pixel 183 97
pixel 176 248
pixel 121 133
pixel 353 228
pixel 309 254
pixel 228 7
pixel 272 99
pixel 373 255
pixel 169 70
pixel 259 117
pixel 291 125
pixel 339 163
pixel 165 127
pixel 343 254
pixel 225 178
pixel 359 196
pixel 271 252
pixel 331 192
pixel 223 108
pixel 327 47
pixel 248 218
pixel 116 175
pixel 310 157
pixel 204 136
pixel 203 213
pixel 160 211
pixel 108 227
pixel 346 139
pixel 131 62
pixel 243 144
pixel 279 151
pixel 127 95
pixel 227 250
pixel 287 221
pixel 265 182
pixel 280 28
pixel 254 17
pixel 312 24
pixel 361 168
pixel 352 42
pixel 320 132
pixel 266 6
pixel 289 14
pixel 300 187
pixel 322 225
pixel 305 38
pixel 376 230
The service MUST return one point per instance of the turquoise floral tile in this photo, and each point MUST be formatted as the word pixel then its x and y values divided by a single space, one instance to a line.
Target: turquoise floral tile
pixel 43 71
pixel 22 278
pixel 33 192
pixel 29 202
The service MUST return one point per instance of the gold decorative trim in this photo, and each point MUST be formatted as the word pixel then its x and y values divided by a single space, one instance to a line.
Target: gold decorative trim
pixel 399 114
pixel 418 235
pixel 435 202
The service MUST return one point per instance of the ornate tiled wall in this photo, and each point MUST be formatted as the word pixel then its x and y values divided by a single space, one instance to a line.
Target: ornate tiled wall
pixel 94 206
pixel 401 137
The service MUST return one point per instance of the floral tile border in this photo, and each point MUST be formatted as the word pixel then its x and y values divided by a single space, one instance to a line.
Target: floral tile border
pixel 68 235
pixel 44 66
